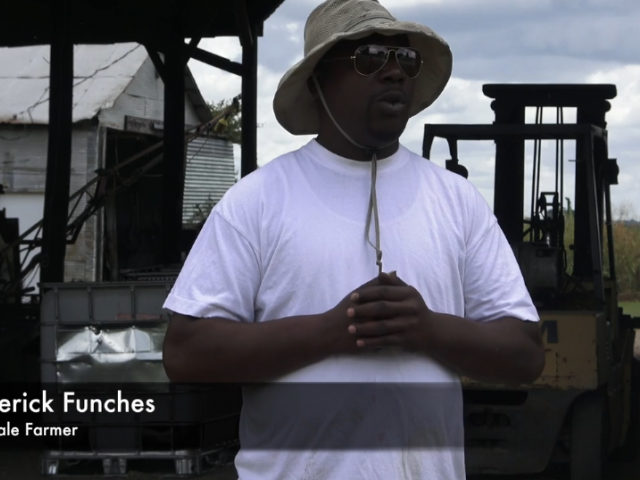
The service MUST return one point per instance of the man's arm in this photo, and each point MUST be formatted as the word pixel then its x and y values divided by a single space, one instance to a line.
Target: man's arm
pixel 222 350
pixel 505 350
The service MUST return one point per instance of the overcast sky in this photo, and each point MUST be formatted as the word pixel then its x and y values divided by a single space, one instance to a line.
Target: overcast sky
pixel 493 41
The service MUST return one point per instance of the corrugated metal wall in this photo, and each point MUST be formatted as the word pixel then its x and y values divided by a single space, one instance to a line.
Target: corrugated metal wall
pixel 209 174
pixel 143 98
pixel 23 160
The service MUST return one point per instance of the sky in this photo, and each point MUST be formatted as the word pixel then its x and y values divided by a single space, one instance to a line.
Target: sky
pixel 493 41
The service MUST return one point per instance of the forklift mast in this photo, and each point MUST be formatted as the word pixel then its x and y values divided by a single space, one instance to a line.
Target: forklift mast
pixel 543 258
pixel 583 407
pixel 509 107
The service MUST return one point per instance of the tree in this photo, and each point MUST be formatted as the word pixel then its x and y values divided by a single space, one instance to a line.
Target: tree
pixel 626 241
pixel 626 244
pixel 233 129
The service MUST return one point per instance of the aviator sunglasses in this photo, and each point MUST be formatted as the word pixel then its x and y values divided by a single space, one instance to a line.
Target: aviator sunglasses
pixel 370 59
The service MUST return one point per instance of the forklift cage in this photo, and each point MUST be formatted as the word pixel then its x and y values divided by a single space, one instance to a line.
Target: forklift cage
pixel 585 133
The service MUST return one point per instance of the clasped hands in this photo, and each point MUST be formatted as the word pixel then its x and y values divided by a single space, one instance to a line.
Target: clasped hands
pixel 385 312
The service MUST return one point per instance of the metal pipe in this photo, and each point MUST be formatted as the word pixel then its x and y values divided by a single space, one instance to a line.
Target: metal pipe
pixel 594 223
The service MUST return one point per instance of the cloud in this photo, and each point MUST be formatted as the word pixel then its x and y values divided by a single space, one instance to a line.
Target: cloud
pixel 624 129
pixel 273 140
pixel 281 47
pixel 499 28
pixel 217 84
pixel 494 41
pixel 461 102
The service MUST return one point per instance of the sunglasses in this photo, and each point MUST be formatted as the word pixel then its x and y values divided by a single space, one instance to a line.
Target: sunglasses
pixel 370 59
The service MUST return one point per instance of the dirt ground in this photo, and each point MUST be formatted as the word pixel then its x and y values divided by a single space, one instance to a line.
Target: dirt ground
pixel 26 466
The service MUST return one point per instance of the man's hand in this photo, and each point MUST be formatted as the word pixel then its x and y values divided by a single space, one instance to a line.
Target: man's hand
pixel 394 314
pixel 391 314
pixel 386 312
pixel 336 321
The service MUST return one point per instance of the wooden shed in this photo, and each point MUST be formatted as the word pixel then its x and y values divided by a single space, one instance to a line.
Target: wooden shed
pixel 118 108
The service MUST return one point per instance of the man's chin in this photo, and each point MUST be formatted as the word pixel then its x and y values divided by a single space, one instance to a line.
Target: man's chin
pixel 389 134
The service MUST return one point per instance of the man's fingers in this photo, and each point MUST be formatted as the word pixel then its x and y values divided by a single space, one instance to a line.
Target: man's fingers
pixel 391 279
pixel 373 282
pixel 379 328
pixel 382 309
pixel 390 293
pixel 388 279
pixel 382 279
pixel 395 340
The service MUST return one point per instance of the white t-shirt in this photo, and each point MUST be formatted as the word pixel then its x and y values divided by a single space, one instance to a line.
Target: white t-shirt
pixel 289 240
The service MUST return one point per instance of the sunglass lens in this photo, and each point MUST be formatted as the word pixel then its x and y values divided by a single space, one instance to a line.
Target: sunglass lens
pixel 409 60
pixel 370 58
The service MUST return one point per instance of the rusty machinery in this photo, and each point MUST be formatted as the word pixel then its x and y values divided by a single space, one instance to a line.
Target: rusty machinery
pixel 584 407
pixel 9 262
pixel 18 310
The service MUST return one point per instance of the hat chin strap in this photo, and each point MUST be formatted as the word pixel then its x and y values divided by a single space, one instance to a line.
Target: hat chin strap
pixel 373 199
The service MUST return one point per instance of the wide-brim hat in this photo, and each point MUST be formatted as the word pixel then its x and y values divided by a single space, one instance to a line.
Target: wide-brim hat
pixel 337 20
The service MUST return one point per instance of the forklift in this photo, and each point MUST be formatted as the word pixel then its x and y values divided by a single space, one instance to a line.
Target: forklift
pixel 584 408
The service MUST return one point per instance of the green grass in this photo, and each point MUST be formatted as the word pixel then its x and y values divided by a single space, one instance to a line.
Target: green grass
pixel 631 308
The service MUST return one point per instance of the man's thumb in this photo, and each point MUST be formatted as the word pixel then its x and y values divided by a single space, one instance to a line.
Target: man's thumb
pixel 389 278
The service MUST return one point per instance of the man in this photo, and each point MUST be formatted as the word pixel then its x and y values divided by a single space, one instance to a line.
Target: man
pixel 288 281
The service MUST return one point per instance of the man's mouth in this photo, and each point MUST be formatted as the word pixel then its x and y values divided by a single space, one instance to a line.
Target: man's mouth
pixel 392 102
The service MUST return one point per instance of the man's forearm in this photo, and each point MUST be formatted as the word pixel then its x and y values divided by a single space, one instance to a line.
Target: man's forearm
pixel 220 350
pixel 499 351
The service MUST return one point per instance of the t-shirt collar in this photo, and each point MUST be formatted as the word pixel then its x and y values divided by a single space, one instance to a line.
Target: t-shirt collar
pixel 354 167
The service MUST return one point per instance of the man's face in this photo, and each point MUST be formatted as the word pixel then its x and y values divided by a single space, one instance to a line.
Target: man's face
pixel 374 109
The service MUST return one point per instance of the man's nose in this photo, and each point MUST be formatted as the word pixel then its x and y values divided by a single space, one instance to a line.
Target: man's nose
pixel 392 72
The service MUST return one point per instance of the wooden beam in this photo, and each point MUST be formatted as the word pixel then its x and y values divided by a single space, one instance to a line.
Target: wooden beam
pixel 157 61
pixel 204 56
pixel 244 24
pixel 249 154
pixel 217 61
pixel 189 48
pixel 58 176
pixel 173 164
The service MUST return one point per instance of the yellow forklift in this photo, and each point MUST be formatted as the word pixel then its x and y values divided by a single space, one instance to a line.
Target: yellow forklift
pixel 584 408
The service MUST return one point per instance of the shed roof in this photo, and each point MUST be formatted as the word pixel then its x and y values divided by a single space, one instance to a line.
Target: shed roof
pixel 101 74
pixel 121 21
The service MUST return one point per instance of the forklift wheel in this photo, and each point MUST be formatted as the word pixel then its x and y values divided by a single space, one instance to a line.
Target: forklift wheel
pixel 588 446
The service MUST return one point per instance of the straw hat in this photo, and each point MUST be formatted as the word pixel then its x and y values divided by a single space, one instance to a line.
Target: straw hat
pixel 336 20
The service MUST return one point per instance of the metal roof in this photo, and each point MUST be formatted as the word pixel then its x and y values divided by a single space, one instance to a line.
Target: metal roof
pixel 29 22
pixel 101 74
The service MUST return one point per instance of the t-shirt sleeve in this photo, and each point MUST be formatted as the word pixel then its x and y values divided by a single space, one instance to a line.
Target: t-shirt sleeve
pixel 493 283
pixel 220 276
